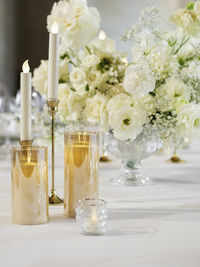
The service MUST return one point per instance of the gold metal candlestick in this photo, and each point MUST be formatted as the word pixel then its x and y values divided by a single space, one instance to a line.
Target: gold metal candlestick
pixel 52 109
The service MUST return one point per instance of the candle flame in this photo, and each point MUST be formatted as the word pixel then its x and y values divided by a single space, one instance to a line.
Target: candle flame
pixel 54 27
pixel 102 35
pixel 25 67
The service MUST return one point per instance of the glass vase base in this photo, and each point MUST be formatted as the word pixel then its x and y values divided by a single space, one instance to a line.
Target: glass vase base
pixel 137 180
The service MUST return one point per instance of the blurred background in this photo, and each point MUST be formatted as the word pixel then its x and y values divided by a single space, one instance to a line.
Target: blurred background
pixel 23 33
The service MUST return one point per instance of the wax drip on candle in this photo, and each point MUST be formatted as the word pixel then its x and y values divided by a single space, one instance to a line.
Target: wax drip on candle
pixel 25 67
pixel 54 27
pixel 102 35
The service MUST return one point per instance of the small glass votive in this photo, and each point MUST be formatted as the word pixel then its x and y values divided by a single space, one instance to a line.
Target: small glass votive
pixel 29 184
pixel 91 216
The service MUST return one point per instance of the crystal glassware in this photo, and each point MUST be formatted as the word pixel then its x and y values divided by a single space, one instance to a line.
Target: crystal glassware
pixel 81 166
pixel 132 153
pixel 29 184
pixel 91 216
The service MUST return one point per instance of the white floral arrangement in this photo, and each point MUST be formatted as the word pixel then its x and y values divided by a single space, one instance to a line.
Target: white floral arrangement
pixel 160 87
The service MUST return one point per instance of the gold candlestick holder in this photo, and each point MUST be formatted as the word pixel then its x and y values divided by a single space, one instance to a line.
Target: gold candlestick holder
pixel 52 109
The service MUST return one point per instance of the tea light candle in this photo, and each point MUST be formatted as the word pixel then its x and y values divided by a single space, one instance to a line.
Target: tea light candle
pixel 91 216
pixel 53 62
pixel 25 118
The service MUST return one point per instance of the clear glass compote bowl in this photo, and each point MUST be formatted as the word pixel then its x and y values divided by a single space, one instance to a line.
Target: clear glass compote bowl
pixel 132 153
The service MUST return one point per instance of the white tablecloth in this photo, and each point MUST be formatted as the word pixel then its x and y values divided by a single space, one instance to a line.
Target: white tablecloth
pixel 153 226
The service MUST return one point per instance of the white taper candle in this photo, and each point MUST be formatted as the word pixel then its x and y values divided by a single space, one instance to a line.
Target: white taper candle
pixel 53 62
pixel 25 87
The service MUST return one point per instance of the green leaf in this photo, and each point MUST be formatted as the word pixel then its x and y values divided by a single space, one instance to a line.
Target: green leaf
pixel 64 56
pixel 190 6
pixel 62 81
pixel 88 49
pixel 72 89
pixel 87 88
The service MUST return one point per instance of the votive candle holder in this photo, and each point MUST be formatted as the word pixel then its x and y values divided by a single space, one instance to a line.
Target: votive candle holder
pixel 91 216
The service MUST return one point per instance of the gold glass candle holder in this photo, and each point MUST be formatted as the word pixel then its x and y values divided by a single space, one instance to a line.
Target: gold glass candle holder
pixel 29 184
pixel 81 169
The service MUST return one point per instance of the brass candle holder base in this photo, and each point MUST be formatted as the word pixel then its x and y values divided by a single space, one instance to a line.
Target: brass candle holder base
pixel 54 199
pixel 52 109
pixel 176 159
pixel 104 158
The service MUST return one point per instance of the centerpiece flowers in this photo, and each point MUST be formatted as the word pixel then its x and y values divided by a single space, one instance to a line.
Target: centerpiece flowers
pixel 157 90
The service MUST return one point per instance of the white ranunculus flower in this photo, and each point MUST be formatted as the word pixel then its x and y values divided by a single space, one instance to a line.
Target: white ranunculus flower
pixel 95 110
pixel 188 20
pixel 188 121
pixel 119 101
pixel 94 78
pixel 40 78
pixel 176 89
pixel 139 80
pixel 127 122
pixel 78 23
pixel 90 61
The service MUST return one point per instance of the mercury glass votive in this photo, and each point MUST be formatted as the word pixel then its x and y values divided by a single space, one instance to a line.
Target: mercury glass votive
pixel 29 184
pixel 81 169
pixel 91 216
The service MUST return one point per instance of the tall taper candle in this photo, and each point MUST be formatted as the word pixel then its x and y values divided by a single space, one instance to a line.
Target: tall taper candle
pixel 53 62
pixel 25 87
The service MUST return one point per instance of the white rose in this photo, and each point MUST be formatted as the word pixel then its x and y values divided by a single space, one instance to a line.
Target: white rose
pixel 63 70
pixel 94 78
pixel 90 60
pixel 139 80
pixel 40 75
pixel 78 80
pixel 95 110
pixel 40 78
pixel 127 122
pixel 71 103
pixel 188 121
pixel 119 101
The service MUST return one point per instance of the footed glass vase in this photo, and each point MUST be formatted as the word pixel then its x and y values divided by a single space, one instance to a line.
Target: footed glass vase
pixel 132 153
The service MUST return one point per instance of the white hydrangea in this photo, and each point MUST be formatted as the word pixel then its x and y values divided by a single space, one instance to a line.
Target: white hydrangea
pixel 139 80
pixel 188 121
pixel 127 122
pixel 162 62
pixel 78 23
pixel 193 70
pixel 95 110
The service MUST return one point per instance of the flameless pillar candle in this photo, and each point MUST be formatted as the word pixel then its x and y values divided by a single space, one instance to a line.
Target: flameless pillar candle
pixel 53 63
pixel 25 87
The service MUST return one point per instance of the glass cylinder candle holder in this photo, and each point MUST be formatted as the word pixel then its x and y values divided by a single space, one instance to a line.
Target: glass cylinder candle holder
pixel 91 216
pixel 29 184
pixel 81 168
